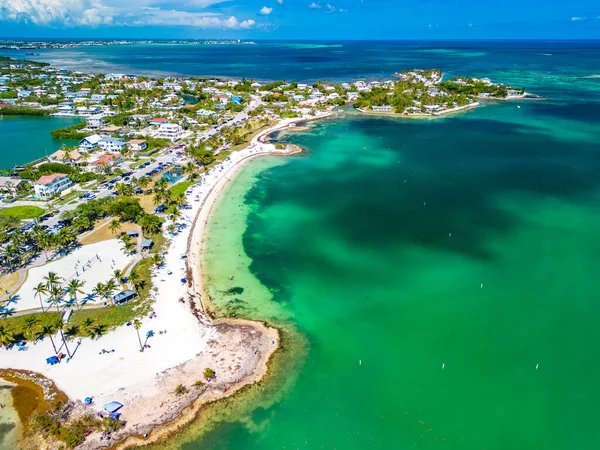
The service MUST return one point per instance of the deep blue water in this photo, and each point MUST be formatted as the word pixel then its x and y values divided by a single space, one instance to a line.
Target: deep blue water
pixel 340 60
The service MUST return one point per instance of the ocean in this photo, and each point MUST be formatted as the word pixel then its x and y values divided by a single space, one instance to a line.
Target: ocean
pixel 434 279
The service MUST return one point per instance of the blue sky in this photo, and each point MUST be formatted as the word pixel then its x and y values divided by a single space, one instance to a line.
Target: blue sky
pixel 302 19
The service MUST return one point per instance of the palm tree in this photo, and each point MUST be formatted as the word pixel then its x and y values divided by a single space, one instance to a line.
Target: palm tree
pixel 73 288
pixel 60 326
pixel 161 184
pixel 134 279
pixel 88 325
pixel 56 294
pixel 6 336
pixel 137 325
pixel 129 247
pixel 100 290
pixel 158 198
pixel 110 287
pixel 40 290
pixel 118 276
pixel 157 260
pixel 31 323
pixel 48 330
pixel 114 225
pixel 52 279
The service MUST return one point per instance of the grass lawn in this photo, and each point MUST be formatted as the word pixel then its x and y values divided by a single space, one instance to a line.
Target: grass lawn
pixel 68 198
pixel 180 188
pixel 102 232
pixel 21 212
pixel 7 282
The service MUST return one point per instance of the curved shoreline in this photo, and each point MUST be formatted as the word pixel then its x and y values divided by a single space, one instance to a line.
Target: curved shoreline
pixel 151 408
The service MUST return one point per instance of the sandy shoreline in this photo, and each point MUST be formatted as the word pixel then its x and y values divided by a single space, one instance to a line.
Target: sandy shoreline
pixel 238 350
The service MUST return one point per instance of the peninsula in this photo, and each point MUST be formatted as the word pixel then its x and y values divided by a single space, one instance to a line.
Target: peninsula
pixel 100 242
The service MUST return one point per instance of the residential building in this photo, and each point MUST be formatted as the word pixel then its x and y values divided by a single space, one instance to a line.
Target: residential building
pixel 69 157
pixel 50 185
pixel 108 159
pixel 10 185
pixel 95 122
pixel 137 145
pixel 170 131
pixel 110 144
pixel 89 143
pixel 385 108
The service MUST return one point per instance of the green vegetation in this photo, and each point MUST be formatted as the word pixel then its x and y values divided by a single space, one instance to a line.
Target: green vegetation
pixel 74 433
pixel 21 212
pixel 71 132
pixel 23 111
pixel 180 188
pixel 209 373
pixel 76 174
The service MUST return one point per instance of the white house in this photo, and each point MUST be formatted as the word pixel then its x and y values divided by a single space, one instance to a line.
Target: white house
pixel 138 145
pixel 91 142
pixel 110 144
pixel 49 185
pixel 95 122
pixel 170 131
pixel 385 108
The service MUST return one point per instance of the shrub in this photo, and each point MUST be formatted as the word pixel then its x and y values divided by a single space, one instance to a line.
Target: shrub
pixel 209 373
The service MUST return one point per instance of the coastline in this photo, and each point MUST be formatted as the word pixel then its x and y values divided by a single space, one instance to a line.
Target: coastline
pixel 248 344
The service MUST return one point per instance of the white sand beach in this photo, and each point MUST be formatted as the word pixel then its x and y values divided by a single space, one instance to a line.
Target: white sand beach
pixel 91 264
pixel 144 381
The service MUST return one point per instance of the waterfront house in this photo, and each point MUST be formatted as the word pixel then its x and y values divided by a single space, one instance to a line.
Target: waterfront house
pixel 49 185
pixel 111 144
pixel 110 129
pixel 298 98
pixel 170 131
pixel 97 97
pixel 137 145
pixel 90 143
pixel 69 157
pixel 385 108
pixel 95 122
pixel 351 96
pixel 10 185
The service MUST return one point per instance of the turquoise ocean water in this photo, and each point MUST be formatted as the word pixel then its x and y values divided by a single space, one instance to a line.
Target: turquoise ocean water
pixel 442 273
pixel 435 280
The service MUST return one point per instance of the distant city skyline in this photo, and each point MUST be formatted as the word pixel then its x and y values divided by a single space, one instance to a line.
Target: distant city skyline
pixel 300 19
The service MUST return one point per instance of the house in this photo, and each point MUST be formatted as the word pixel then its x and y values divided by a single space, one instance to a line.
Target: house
pixel 50 185
pixel 62 156
pixel 205 112
pixel 24 94
pixel 124 297
pixel 385 108
pixel 170 131
pixel 159 121
pixel 95 122
pixel 11 185
pixel 89 143
pixel 298 98
pixel 220 98
pixel 352 96
pixel 137 145
pixel 110 144
pixel 132 233
pixel 108 159
pixel 111 129
pixel 97 97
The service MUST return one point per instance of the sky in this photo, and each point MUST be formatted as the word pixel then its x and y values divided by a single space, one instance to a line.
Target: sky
pixel 301 19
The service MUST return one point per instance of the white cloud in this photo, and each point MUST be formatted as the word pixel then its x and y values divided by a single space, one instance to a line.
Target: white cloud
pixel 575 19
pixel 314 5
pixel 71 13
pixel 265 10
pixel 330 8
pixel 280 2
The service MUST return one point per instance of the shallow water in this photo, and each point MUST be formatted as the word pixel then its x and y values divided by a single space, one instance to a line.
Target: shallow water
pixel 9 420
pixel 442 272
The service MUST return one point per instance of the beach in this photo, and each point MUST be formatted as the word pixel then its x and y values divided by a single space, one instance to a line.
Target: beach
pixel 185 340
